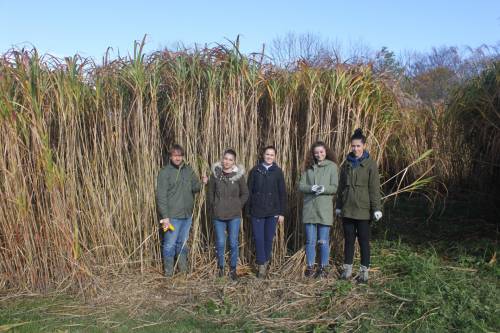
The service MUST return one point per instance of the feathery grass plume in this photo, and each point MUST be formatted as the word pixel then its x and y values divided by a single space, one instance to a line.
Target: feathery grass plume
pixel 475 113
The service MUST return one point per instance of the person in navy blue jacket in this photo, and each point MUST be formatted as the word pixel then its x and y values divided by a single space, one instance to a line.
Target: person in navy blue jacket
pixel 266 205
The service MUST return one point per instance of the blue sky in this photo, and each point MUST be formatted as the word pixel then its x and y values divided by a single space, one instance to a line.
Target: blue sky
pixel 89 27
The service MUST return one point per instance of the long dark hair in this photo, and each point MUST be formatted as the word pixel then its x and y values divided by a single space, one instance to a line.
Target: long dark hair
pixel 310 160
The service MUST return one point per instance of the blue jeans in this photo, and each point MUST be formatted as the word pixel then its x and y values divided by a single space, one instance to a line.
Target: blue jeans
pixel 264 229
pixel 174 241
pixel 232 227
pixel 319 233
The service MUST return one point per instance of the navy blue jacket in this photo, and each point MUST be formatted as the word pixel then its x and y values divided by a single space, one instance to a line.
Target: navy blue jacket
pixel 267 191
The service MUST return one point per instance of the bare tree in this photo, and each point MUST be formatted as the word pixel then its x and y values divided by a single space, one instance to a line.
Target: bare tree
pixel 286 51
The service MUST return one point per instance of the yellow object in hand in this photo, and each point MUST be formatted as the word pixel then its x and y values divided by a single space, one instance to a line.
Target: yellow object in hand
pixel 170 227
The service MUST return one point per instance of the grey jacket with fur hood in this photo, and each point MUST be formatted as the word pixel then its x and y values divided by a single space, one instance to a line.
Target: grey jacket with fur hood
pixel 227 192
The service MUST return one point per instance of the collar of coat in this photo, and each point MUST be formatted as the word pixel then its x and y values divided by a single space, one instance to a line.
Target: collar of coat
pixel 262 168
pixel 362 161
pixel 237 172
pixel 171 165
pixel 323 163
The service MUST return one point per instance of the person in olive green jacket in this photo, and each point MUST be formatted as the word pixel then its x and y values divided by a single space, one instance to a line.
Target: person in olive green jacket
pixel 358 201
pixel 319 184
pixel 176 186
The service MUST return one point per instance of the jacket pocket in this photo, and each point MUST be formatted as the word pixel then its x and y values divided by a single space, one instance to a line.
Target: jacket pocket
pixel 362 197
pixel 362 179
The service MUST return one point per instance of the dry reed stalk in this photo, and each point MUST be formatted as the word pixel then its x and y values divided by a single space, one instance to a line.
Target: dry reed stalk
pixel 82 145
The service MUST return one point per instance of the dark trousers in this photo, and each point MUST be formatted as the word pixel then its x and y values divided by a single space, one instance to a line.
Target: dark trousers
pixel 263 229
pixel 360 229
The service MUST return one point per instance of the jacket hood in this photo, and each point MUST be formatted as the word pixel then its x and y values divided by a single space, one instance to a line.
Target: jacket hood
pixel 237 172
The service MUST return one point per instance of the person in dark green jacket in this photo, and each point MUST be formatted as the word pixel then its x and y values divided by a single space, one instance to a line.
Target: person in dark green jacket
pixel 176 186
pixel 358 201
pixel 319 184
pixel 227 194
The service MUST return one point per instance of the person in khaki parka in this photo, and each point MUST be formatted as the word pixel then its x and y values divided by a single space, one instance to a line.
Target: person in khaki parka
pixel 319 184
pixel 358 200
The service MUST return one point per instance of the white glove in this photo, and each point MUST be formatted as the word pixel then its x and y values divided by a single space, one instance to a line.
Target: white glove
pixel 314 188
pixel 338 212
pixel 377 215
pixel 320 189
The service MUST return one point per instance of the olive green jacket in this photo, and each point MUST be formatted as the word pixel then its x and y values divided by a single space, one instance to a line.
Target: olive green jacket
pixel 175 191
pixel 358 196
pixel 319 208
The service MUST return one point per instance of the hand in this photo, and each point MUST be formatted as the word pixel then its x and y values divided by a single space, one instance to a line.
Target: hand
pixel 377 215
pixel 320 189
pixel 165 223
pixel 314 188
pixel 338 212
pixel 281 218
pixel 204 179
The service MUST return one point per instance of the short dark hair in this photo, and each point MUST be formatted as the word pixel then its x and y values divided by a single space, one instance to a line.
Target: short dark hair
pixel 229 151
pixel 268 147
pixel 358 135
pixel 176 147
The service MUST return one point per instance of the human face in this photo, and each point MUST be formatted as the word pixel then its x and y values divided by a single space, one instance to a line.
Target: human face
pixel 228 161
pixel 357 147
pixel 176 158
pixel 269 156
pixel 319 153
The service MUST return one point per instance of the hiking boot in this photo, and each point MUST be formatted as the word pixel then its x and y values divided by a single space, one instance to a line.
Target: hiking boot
pixel 321 273
pixel 169 266
pixel 232 274
pixel 183 263
pixel 262 271
pixel 220 272
pixel 363 274
pixel 309 271
pixel 347 272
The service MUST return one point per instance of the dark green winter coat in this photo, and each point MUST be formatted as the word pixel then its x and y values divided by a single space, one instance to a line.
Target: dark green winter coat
pixel 227 193
pixel 319 208
pixel 175 191
pixel 358 196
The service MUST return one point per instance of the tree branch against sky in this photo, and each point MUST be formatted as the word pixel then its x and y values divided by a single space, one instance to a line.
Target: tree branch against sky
pixel 65 28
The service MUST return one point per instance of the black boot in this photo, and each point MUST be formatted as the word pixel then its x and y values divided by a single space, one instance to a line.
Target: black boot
pixel 232 274
pixel 321 273
pixel 309 271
